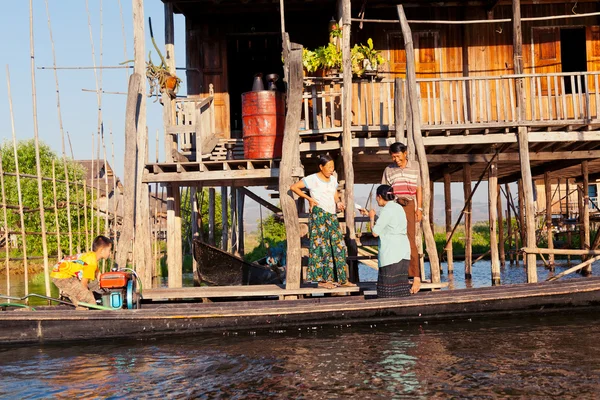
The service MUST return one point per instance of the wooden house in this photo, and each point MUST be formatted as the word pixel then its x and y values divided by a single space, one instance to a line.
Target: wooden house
pixel 507 91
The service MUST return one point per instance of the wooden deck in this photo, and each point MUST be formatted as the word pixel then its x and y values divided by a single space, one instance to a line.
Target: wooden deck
pixel 62 324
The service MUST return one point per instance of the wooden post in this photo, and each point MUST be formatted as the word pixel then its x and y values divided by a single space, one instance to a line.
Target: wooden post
pixel 240 222
pixel 568 214
pixel 448 207
pixel 233 213
pixel 347 138
pixel 399 109
pixel 6 230
pixel 291 161
pixel 523 139
pixel 38 166
pixel 224 219
pixel 85 217
pixel 468 221
pixel 493 211
pixel 211 216
pixel 168 103
pixel 55 203
pixel 549 225
pixel 431 197
pixel 419 145
pixel 501 239
pixel 124 245
pixel 518 58
pixel 522 226
pixel 194 223
pixel 509 223
pixel 585 215
pixel 174 256
pixel 143 245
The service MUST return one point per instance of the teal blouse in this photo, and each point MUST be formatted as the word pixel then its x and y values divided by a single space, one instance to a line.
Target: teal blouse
pixel 391 229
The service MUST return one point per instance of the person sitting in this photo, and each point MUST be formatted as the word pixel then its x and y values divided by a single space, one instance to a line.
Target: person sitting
pixel 327 256
pixel 394 248
pixel 76 276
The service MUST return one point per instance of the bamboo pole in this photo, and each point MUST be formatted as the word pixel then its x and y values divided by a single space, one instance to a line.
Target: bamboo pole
pixel 493 218
pixel 115 237
pixel 78 202
pixel 584 264
pixel 240 214
pixel 7 236
pixel 106 192
pixel 419 146
pixel 37 153
pixel 85 216
pixel 587 270
pixel 522 226
pixel 568 213
pixel 564 252
pixel 549 225
pixel 18 178
pixel 93 194
pixel 174 256
pixel 62 133
pixel 211 216
pixel 448 207
pixel 224 219
pixel 509 223
pixel 124 46
pixel 468 220
pixel 59 251
pixel 501 239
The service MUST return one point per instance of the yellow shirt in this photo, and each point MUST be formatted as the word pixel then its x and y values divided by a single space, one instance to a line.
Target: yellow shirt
pixel 82 265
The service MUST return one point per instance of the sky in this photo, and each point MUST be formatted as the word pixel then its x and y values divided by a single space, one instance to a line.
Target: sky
pixel 112 38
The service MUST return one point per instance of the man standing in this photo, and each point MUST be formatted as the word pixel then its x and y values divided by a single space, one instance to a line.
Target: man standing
pixel 404 177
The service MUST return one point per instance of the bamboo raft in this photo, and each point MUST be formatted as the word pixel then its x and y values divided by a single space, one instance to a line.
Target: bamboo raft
pixel 54 324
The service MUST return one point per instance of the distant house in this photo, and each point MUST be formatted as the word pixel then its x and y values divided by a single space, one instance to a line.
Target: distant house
pixel 563 205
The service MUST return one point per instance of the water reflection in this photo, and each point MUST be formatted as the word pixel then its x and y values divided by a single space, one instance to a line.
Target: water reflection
pixel 521 358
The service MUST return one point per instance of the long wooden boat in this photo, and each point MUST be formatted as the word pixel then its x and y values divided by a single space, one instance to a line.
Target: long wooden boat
pixel 219 268
pixel 56 324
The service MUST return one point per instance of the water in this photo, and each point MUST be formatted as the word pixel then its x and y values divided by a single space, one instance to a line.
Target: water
pixel 536 358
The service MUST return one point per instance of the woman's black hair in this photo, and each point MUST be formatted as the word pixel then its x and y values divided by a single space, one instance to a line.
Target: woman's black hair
pixel 386 192
pixel 397 148
pixel 324 159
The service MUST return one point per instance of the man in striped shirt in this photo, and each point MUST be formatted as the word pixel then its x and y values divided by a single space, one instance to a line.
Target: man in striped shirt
pixel 404 177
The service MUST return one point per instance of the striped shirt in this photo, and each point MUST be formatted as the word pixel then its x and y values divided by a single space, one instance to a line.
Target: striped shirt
pixel 404 181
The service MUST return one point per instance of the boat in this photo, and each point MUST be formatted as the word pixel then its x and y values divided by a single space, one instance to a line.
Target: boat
pixel 219 268
pixel 186 317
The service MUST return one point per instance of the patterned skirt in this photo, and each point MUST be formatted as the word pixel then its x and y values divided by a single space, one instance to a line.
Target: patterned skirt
pixel 392 280
pixel 327 258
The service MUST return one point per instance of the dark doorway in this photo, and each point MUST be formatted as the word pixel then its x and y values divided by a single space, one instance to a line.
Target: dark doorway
pixel 573 53
pixel 248 55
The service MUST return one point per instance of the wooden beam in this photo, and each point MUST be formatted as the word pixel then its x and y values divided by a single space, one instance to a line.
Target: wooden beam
pixel 541 169
pixel 448 212
pixel 260 200
pixel 493 218
pixel 291 160
pixel 419 145
pixel 585 264
pixel 563 252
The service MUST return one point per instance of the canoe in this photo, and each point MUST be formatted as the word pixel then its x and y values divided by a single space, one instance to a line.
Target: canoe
pixel 219 268
pixel 58 324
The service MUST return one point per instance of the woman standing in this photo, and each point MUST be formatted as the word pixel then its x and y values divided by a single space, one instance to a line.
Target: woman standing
pixel 394 248
pixel 327 257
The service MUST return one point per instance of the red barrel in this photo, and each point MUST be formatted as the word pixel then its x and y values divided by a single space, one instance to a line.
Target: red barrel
pixel 263 116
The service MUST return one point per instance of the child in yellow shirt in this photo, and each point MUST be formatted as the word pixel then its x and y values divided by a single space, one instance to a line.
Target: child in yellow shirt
pixel 75 276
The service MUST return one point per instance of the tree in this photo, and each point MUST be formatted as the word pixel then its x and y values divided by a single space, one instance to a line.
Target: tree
pixel 186 216
pixel 273 237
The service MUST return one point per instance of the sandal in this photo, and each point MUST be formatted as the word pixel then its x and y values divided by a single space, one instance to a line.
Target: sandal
pixel 326 285
pixel 347 284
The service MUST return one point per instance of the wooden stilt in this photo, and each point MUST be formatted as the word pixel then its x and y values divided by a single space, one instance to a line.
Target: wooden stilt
pixel 291 161
pixel 587 270
pixel 55 203
pixel 568 214
pixel 493 211
pixel 194 223
pixel 6 230
pixel 234 220
pixel 85 218
pixel 174 256
pixel 509 223
pixel 419 145
pixel 240 222
pixel 399 107
pixel 501 240
pixel 431 197
pixel 224 219
pixel 211 216
pixel 523 140
pixel 549 225
pixel 468 221
pixel 522 226
pixel 448 209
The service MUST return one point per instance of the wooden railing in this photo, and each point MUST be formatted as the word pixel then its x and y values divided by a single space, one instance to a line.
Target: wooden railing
pixel 457 102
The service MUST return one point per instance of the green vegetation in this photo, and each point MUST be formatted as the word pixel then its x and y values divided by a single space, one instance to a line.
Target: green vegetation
pixel 274 236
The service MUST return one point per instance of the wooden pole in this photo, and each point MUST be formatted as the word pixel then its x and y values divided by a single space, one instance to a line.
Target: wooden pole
pixel 58 248
pixel 419 146
pixel 211 216
pixel 501 239
pixel 38 166
pixel 290 162
pixel 174 256
pixel 85 216
pixel 549 225
pixel 509 223
pixel 7 236
pixel 240 223
pixel 448 207
pixel 522 226
pixel 399 109
pixel 62 133
pixel 194 224
pixel 587 270
pixel 18 178
pixel 347 137
pixel 93 194
pixel 584 264
pixel 233 213
pixel 224 219
pixel 431 197
pixel 116 197
pixel 77 185
pixel 143 246
pixel 106 192
pixel 570 252
pixel 493 211
pixel 126 236
pixel 518 58
pixel 468 221
pixel 568 213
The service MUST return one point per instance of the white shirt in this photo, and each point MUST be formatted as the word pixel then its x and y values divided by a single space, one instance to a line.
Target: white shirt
pixel 323 192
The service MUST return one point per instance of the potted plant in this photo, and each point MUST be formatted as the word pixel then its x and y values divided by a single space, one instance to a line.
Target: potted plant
pixel 310 61
pixel 330 58
pixel 372 58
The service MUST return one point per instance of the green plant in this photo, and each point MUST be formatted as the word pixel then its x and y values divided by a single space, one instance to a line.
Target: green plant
pixel 310 61
pixel 336 31
pixel 371 57
pixel 329 56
